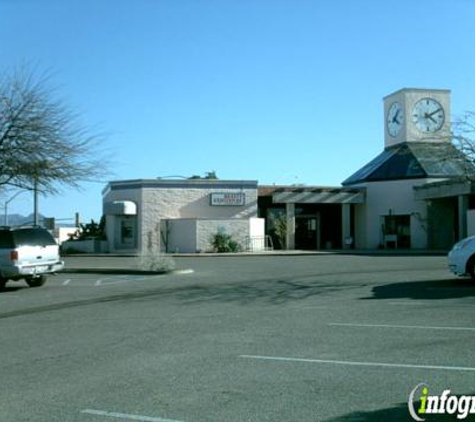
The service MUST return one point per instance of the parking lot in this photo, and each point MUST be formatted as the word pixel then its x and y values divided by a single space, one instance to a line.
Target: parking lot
pixel 304 338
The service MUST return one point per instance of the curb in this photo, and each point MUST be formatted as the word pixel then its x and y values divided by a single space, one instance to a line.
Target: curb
pixel 120 271
pixel 369 252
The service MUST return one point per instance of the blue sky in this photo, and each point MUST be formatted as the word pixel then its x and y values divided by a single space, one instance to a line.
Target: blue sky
pixel 282 91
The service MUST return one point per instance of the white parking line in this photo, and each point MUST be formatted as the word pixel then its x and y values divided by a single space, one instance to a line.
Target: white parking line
pixel 98 282
pixel 411 327
pixel 126 416
pixel 353 363
pixel 66 282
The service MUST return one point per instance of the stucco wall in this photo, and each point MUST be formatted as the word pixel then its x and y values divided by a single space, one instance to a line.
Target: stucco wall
pixel 397 196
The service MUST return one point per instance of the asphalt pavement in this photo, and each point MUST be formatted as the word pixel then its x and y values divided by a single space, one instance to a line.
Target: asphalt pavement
pixel 328 338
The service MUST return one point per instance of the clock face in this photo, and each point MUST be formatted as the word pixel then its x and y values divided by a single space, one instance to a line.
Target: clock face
pixel 394 119
pixel 428 115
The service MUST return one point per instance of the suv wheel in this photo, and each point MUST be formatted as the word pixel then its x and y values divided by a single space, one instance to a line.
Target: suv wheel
pixel 3 281
pixel 36 281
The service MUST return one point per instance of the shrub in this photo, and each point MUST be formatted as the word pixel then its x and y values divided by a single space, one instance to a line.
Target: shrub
pixel 223 243
pixel 154 260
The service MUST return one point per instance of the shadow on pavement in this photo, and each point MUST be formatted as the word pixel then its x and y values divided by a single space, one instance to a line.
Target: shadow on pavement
pixel 268 291
pixel 271 291
pixel 453 288
pixel 399 413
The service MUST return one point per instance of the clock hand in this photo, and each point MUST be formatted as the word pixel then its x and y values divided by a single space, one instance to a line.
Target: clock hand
pixel 436 111
pixel 395 119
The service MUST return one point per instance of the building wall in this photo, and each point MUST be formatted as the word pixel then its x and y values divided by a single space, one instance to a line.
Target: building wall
pixel 134 195
pixel 176 200
pixel 397 196
pixel 237 228
pixel 181 235
pixel 471 223
pixel 171 203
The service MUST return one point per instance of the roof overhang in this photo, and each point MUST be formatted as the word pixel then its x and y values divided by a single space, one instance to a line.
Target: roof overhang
pixel 320 196
pixel 444 189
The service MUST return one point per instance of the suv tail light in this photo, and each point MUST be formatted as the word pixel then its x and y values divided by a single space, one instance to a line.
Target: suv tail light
pixel 14 255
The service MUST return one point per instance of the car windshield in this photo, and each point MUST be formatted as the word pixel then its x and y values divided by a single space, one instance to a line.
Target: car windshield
pixel 34 237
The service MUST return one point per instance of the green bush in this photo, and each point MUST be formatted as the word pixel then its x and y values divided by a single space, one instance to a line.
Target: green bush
pixel 224 243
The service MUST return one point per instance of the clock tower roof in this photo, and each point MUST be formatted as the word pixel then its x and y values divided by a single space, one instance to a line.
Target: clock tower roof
pixel 414 161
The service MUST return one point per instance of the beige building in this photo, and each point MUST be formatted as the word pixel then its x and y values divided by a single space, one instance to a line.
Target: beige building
pixel 414 195
pixel 180 215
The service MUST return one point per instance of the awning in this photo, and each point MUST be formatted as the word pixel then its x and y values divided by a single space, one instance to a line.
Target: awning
pixel 120 208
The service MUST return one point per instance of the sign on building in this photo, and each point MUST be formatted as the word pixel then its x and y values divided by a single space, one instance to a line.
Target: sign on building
pixel 235 199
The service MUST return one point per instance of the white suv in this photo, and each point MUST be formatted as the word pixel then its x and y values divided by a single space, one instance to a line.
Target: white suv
pixel 28 253
pixel 461 258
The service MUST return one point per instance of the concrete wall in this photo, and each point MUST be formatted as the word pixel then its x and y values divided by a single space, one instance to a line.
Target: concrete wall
pixel 397 196
pixel 86 246
pixel 237 228
pixel 182 235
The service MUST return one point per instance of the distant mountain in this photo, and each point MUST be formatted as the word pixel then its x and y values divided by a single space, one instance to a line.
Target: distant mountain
pixel 19 220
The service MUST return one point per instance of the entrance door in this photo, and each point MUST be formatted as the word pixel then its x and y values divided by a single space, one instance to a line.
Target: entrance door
pixel 397 231
pixel 307 232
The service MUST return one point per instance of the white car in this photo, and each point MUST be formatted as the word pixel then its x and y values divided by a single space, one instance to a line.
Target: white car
pixel 28 253
pixel 461 259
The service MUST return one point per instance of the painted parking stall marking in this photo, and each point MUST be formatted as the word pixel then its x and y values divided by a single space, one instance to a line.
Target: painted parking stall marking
pixel 409 327
pixel 354 363
pixel 127 416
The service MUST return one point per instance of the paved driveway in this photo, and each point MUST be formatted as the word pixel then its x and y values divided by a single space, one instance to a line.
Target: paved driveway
pixel 317 338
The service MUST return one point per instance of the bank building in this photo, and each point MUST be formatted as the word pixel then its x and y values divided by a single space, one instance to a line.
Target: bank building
pixel 416 194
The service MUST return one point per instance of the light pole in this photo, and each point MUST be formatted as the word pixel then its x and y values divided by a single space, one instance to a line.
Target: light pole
pixel 5 205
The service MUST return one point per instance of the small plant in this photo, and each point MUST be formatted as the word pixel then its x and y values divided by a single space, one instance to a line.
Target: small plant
pixel 224 243
pixel 154 260
pixel 90 230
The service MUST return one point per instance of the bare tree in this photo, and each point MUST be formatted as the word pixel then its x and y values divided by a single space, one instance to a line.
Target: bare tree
pixel 463 137
pixel 41 140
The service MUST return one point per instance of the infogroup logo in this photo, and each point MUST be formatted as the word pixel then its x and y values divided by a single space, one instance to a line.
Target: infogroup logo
pixel 445 403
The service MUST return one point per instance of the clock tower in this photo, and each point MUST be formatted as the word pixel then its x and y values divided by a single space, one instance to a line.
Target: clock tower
pixel 416 115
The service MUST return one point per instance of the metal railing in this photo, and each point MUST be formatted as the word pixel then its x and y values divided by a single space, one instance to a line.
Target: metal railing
pixel 259 243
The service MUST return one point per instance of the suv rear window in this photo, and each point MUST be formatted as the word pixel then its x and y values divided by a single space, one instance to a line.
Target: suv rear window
pixel 26 237
pixel 6 239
